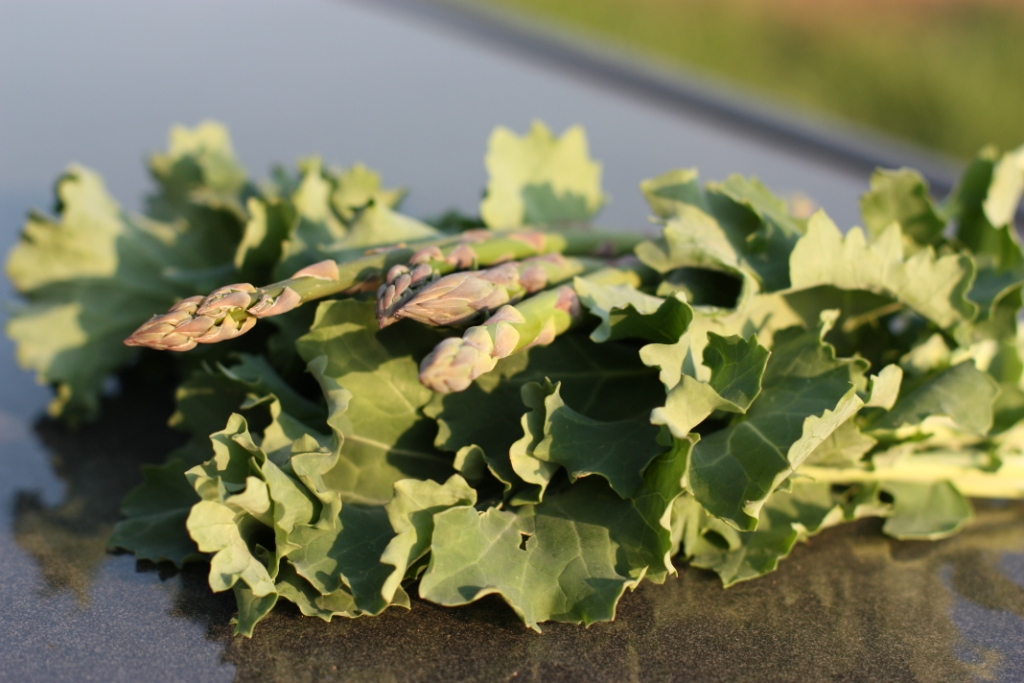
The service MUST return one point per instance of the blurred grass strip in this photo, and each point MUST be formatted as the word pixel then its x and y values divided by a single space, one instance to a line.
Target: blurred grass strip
pixel 947 74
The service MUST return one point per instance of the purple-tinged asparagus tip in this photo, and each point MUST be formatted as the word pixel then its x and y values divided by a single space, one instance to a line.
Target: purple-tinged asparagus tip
pixel 161 331
pixel 457 361
pixel 198 320
pixel 400 286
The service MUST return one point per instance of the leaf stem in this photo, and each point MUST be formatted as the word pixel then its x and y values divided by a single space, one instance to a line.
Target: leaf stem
pixel 853 322
pixel 960 469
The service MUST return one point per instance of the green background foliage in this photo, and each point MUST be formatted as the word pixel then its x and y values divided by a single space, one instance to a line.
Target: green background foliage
pixel 945 74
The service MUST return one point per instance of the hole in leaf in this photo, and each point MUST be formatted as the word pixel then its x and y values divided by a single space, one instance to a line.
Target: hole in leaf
pixel 716 539
pixel 703 287
pixel 523 539
pixel 886 497
pixel 262 543
pixel 717 421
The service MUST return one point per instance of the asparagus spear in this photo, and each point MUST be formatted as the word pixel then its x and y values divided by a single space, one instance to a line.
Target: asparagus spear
pixel 456 298
pixel 231 311
pixel 457 361
pixel 482 248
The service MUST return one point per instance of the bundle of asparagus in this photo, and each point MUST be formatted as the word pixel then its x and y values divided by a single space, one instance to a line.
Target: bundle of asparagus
pixel 410 289
pixel 515 404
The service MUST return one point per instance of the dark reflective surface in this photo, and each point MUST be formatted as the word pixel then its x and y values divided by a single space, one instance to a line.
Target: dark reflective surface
pixel 99 82
pixel 855 607
pixel 851 606
pixel 94 82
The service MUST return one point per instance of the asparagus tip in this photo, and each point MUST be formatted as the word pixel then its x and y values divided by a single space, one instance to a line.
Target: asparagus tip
pixel 197 320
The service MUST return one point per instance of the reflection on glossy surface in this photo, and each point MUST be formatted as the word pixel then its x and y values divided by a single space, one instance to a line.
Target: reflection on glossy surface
pixel 68 610
pixel 851 606
pixel 855 606
pixel 99 464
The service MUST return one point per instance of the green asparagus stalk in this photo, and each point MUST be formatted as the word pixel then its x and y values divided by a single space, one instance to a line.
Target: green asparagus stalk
pixel 536 321
pixel 483 248
pixel 457 298
pixel 231 311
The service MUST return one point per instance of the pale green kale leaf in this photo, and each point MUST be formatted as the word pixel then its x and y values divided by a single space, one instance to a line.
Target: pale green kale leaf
pixel 540 179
